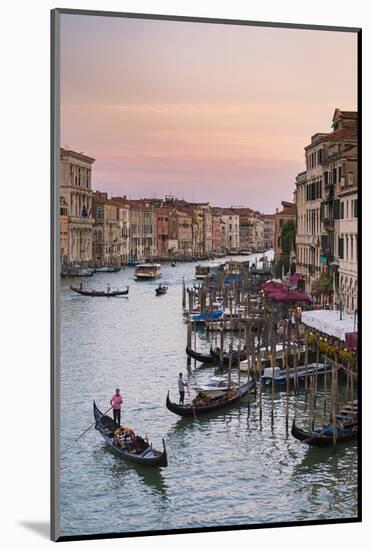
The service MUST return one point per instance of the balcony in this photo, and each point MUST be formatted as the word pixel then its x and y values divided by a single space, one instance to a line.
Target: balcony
pixel 328 224
pixel 81 220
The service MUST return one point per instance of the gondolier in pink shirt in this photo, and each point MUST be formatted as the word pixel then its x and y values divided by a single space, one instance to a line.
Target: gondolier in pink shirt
pixel 116 403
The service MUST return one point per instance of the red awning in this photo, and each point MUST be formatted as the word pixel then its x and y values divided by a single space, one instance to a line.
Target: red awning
pixel 289 296
pixel 351 339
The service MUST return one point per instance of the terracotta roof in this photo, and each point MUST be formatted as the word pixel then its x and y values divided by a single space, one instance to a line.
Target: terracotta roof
pixel 343 133
pixel 349 114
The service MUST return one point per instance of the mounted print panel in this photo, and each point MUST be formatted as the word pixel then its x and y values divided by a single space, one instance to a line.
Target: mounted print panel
pixel 205 279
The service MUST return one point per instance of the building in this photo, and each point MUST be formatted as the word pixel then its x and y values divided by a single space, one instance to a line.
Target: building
pixel 217 231
pixel 326 198
pixel 110 231
pixel 63 230
pixel 268 230
pixel 162 231
pixel 181 232
pixel 142 230
pixel 207 228
pixel 346 231
pixel 76 194
pixel 230 230
pixel 281 217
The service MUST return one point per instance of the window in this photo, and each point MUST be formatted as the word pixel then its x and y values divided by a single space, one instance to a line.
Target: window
pixel 334 176
pixel 350 178
pixel 326 178
pixel 320 156
pixel 341 210
pixel 355 208
pixel 341 248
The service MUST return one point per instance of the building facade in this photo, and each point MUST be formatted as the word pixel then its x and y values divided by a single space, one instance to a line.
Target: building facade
pixel 76 193
pixel 268 230
pixel 231 230
pixel 327 204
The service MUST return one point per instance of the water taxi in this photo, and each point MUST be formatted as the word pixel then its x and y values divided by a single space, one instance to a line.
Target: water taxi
pixel 203 271
pixel 147 271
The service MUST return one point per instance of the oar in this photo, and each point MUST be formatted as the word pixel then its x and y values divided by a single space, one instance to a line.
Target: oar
pixel 92 424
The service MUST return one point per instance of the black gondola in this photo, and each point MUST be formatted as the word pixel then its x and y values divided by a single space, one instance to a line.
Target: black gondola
pixel 214 404
pixel 148 457
pixel 160 290
pixel 346 428
pixel 211 359
pixel 214 357
pixel 100 293
pixel 318 438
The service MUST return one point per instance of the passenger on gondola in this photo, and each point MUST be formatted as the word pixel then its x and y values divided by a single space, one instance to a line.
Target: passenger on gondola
pixel 80 286
pixel 181 384
pixel 116 403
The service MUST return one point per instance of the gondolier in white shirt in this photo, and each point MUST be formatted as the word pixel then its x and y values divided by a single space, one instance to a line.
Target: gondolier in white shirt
pixel 181 384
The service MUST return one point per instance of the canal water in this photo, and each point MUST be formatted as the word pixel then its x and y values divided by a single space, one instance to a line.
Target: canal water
pixel 224 469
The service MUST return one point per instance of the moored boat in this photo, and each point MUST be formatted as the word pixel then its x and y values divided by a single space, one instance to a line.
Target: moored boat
pixel 202 405
pixel 147 271
pixel 214 356
pixel 344 429
pixel 280 375
pixel 204 271
pixel 201 357
pixel 100 293
pixel 137 450
pixel 213 315
pixel 107 269
pixel 79 273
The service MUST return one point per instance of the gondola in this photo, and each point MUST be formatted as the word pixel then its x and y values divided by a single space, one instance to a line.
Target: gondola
pixel 148 457
pixel 211 359
pixel 99 293
pixel 213 405
pixel 319 438
pixel 160 290
pixel 214 357
pixel 107 269
pixel 346 428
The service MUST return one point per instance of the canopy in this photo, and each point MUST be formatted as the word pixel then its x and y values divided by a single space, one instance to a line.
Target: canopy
pixel 329 322
pixel 351 339
pixel 289 296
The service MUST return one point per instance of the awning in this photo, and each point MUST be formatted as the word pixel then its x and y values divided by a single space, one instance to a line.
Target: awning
pixel 351 339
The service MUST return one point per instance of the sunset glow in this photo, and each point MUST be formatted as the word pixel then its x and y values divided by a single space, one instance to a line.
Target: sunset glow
pixel 196 109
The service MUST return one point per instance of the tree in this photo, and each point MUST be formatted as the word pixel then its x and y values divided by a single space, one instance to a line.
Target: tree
pixel 288 234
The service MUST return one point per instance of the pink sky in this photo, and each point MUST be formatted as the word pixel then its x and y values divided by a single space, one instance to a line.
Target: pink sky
pixel 217 113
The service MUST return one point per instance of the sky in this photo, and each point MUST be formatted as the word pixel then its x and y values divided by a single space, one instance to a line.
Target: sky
pixel 217 113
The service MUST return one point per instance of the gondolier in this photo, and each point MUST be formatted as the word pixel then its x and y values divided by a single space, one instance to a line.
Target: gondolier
pixel 116 403
pixel 181 384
